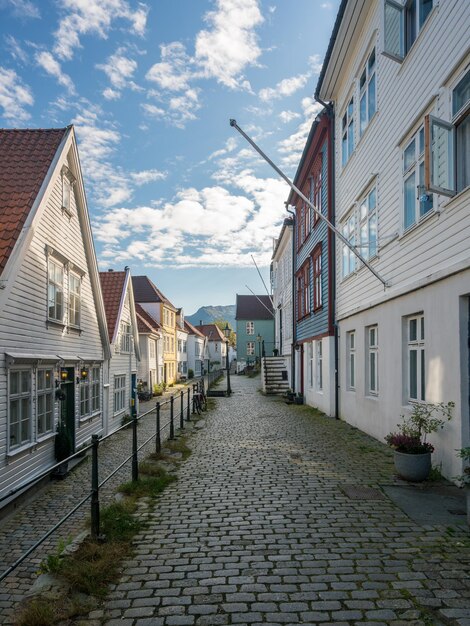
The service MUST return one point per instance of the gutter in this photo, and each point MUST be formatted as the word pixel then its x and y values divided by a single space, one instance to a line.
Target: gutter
pixel 329 51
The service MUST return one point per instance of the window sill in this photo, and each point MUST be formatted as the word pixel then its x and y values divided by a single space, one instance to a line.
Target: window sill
pixel 372 396
pixel 46 437
pixel 89 418
pixel 74 329
pixel 425 218
pixel 24 448
pixel 119 413
pixel 318 309
pixel 456 198
pixel 55 324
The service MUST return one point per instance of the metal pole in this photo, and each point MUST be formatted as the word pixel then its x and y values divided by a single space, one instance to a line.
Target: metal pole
pixel 188 410
pixel 182 410
pixel 229 389
pixel 95 502
pixel 158 438
pixel 195 385
pixel 172 424
pixel 310 204
pixel 135 464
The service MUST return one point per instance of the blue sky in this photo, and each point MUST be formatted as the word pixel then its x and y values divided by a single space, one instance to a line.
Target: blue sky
pixel 173 191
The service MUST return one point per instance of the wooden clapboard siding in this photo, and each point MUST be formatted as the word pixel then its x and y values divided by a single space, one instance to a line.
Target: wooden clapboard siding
pixel 23 327
pixel 405 92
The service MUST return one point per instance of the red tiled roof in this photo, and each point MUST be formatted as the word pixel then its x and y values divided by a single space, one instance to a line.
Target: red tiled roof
pixel 145 322
pixel 112 284
pixel 146 291
pixel 25 158
pixel 212 332
pixel 192 330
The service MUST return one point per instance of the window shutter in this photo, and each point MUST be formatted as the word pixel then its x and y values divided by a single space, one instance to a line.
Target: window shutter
pixel 394 41
pixel 439 165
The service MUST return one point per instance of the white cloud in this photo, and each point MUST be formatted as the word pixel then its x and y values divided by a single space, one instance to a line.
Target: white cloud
pixel 173 72
pixel 288 116
pixel 83 17
pixel 230 44
pixel 230 146
pixel 15 49
pixel 289 86
pixel 292 147
pixel 23 8
pixel 111 94
pixel 119 69
pixel 14 96
pixel 148 176
pixel 52 67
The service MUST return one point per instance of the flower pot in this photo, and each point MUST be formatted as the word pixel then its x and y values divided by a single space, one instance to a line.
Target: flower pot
pixel 413 467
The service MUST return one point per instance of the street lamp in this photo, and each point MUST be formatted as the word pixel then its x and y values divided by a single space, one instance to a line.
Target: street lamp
pixel 227 335
pixel 259 339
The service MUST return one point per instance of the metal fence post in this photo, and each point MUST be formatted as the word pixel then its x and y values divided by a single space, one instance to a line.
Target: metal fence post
pixel 188 410
pixel 172 423
pixel 135 464
pixel 158 439
pixel 95 502
pixel 195 386
pixel 182 409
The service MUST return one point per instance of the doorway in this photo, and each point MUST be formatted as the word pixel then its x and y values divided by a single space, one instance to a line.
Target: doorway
pixel 67 404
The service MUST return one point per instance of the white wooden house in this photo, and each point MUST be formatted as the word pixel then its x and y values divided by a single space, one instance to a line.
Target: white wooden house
pixel 216 346
pixel 182 346
pixel 125 349
pixel 398 74
pixel 53 335
pixel 150 366
pixel 198 353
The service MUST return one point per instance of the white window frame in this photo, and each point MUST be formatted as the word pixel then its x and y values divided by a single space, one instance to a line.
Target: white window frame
pixel 90 392
pixel 125 338
pixel 397 42
pixel 414 167
pixel 250 348
pixel 368 224
pixel 75 297
pixel 45 392
pixel 119 393
pixel 310 363
pixel 349 258
pixel 19 397
pixel 319 364
pixel 372 363
pixel 367 77
pixel 55 287
pixel 415 344
pixel 347 122
pixel 351 360
pixel 250 328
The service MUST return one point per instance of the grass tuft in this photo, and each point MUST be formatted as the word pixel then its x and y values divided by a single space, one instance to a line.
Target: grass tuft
pixel 147 486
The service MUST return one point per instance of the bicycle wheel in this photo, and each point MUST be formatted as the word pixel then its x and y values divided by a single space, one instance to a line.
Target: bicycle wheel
pixel 196 405
pixel 203 402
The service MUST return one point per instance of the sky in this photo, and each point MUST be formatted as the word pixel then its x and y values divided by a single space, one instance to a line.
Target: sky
pixel 173 191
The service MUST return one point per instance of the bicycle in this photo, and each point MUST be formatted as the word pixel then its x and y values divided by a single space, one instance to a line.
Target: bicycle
pixel 199 400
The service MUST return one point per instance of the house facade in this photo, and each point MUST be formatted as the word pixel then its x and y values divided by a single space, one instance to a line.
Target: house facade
pixel 160 308
pixel 314 262
pixel 125 349
pixel 181 346
pixel 53 336
pixel 281 283
pixel 150 366
pixel 216 346
pixel 198 357
pixel 402 173
pixel 255 323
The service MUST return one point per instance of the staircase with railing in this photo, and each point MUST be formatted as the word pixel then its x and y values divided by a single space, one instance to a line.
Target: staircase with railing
pixel 274 375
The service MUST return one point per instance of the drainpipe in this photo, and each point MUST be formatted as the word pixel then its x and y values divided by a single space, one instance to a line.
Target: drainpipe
pixel 292 348
pixel 330 112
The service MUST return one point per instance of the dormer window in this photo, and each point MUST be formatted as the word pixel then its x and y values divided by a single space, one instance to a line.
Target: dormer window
pixel 68 181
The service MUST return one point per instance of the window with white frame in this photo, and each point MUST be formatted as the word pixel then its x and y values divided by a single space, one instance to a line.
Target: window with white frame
pixel 152 348
pixel 184 346
pixel 347 132
pixel 416 358
pixel 351 359
pixel 368 225
pixel 319 364
pixel 402 24
pixel 19 407
pixel 349 233
pixel 125 337
pixel 216 346
pixel 416 202
pixel 95 389
pixel 448 144
pixel 119 393
pixel 310 362
pixel 250 328
pixel 372 373
pixel 90 392
pixel 180 345
pixel 74 299
pixel 55 290
pixel 250 348
pixel 367 93
pixel 45 401
pixel 317 277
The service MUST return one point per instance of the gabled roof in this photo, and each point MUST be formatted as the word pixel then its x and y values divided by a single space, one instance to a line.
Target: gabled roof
pixel 112 287
pixel 25 159
pixel 145 322
pixel 254 308
pixel 146 291
pixel 192 330
pixel 212 332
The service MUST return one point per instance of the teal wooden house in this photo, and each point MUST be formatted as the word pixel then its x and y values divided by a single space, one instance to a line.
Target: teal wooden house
pixel 255 327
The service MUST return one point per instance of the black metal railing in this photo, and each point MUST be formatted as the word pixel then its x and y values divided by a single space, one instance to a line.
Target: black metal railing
pixel 184 414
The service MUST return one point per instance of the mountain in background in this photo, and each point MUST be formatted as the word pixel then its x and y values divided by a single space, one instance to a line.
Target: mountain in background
pixel 208 314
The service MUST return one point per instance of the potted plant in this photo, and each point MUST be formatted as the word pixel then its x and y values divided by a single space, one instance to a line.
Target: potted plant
pixel 464 478
pixel 275 351
pixel 412 451
pixel 62 449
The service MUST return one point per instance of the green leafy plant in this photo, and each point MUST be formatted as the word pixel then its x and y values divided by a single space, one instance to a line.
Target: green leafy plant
pixel 126 419
pixel 190 373
pixel 464 478
pixel 157 390
pixel 51 564
pixel 425 418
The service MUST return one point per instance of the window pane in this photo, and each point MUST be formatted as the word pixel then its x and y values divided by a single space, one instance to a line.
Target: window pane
pixel 463 154
pixel 410 24
pixel 371 91
pixel 423 377
pixel 353 371
pixel 409 156
pixel 413 375
pixel 351 138
pixel 461 94
pixel 362 80
pixel 25 382
pixel 364 241
pixel 344 150
pixel 393 26
pixel 363 114
pixel 425 199
pixel 421 140
pixel 413 330
pixel 442 155
pixel 373 235
pixel 372 372
pixel 372 60
pixel 422 328
pixel 425 7
pixel 14 382
pixel 410 191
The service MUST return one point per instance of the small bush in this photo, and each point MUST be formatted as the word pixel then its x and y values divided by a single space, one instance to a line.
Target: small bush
pixel 126 419
pixel 157 390
pixel 190 373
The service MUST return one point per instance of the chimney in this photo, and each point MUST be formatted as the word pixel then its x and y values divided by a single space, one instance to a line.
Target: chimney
pixel 110 270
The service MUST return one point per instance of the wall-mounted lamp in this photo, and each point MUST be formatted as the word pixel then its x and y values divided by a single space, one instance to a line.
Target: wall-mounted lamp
pixel 84 373
pixel 64 374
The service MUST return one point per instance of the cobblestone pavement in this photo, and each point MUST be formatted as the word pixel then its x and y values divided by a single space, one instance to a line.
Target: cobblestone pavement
pixel 259 529
pixel 21 530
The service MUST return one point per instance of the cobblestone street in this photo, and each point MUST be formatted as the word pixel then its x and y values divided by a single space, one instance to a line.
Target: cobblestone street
pixel 259 529
pixel 263 527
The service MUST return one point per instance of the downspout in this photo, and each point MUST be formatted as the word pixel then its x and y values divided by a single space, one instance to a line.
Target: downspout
pixel 292 348
pixel 330 112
